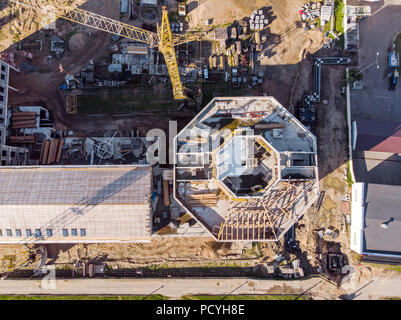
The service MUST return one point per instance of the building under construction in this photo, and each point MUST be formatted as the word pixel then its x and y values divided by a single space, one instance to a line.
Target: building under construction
pixel 9 155
pixel 246 169
pixel 87 204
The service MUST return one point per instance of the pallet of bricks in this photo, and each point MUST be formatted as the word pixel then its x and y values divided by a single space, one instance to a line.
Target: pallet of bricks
pixel 51 151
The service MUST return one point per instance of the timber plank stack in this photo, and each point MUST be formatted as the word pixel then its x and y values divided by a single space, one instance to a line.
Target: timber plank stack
pixel 166 193
pixel 20 120
pixel 22 139
pixel 269 126
pixel 202 199
pixel 51 151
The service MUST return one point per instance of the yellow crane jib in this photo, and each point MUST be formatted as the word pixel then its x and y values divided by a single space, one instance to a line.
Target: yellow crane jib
pixel 164 39
pixel 110 25
pixel 166 47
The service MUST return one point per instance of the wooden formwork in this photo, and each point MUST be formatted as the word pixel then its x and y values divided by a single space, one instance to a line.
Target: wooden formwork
pixel 260 219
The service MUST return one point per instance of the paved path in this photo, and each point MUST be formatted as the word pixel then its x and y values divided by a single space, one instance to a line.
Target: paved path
pixel 169 287
pixel 375 288
pixel 175 288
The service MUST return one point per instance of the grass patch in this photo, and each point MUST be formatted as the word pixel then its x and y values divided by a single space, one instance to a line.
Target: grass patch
pixel 223 89
pixel 16 37
pixel 389 267
pixel 152 297
pixel 205 266
pixel 356 257
pixel 326 27
pixel 113 101
pixel 143 98
pixel 339 16
pixel 240 297
pixel 393 267
pixel 173 16
pixel 224 25
pixel 350 182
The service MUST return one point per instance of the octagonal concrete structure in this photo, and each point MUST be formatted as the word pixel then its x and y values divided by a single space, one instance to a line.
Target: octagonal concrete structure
pixel 245 168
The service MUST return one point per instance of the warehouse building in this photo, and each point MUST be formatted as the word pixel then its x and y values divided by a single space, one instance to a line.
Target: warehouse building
pixel 87 204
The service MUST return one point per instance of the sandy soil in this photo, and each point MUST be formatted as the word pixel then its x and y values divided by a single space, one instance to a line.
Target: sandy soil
pixel 223 12
pixel 41 87
pixel 169 251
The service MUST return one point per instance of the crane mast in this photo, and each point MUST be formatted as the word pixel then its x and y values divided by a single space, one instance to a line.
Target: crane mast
pixel 164 39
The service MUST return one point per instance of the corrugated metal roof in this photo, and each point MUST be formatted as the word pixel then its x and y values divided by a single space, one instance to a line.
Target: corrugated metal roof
pixel 96 185
pixel 381 136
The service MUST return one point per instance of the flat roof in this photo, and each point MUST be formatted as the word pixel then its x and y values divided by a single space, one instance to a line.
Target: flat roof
pixel 382 204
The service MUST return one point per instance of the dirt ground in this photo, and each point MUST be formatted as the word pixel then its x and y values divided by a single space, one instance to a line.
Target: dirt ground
pixel 224 12
pixel 288 70
pixel 42 87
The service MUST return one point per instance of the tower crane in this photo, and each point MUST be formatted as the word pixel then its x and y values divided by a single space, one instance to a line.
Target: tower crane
pixel 163 39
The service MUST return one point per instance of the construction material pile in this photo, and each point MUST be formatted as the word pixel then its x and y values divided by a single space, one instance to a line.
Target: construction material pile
pixel 177 27
pixel 22 139
pixel 20 120
pixel 258 20
pixel 310 11
pixel 51 151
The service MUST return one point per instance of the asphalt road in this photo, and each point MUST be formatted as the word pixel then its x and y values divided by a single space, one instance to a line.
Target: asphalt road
pixel 174 288
pixel 377 33
pixel 374 288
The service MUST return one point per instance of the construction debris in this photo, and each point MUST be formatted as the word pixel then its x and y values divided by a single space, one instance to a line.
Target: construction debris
pixel 311 11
